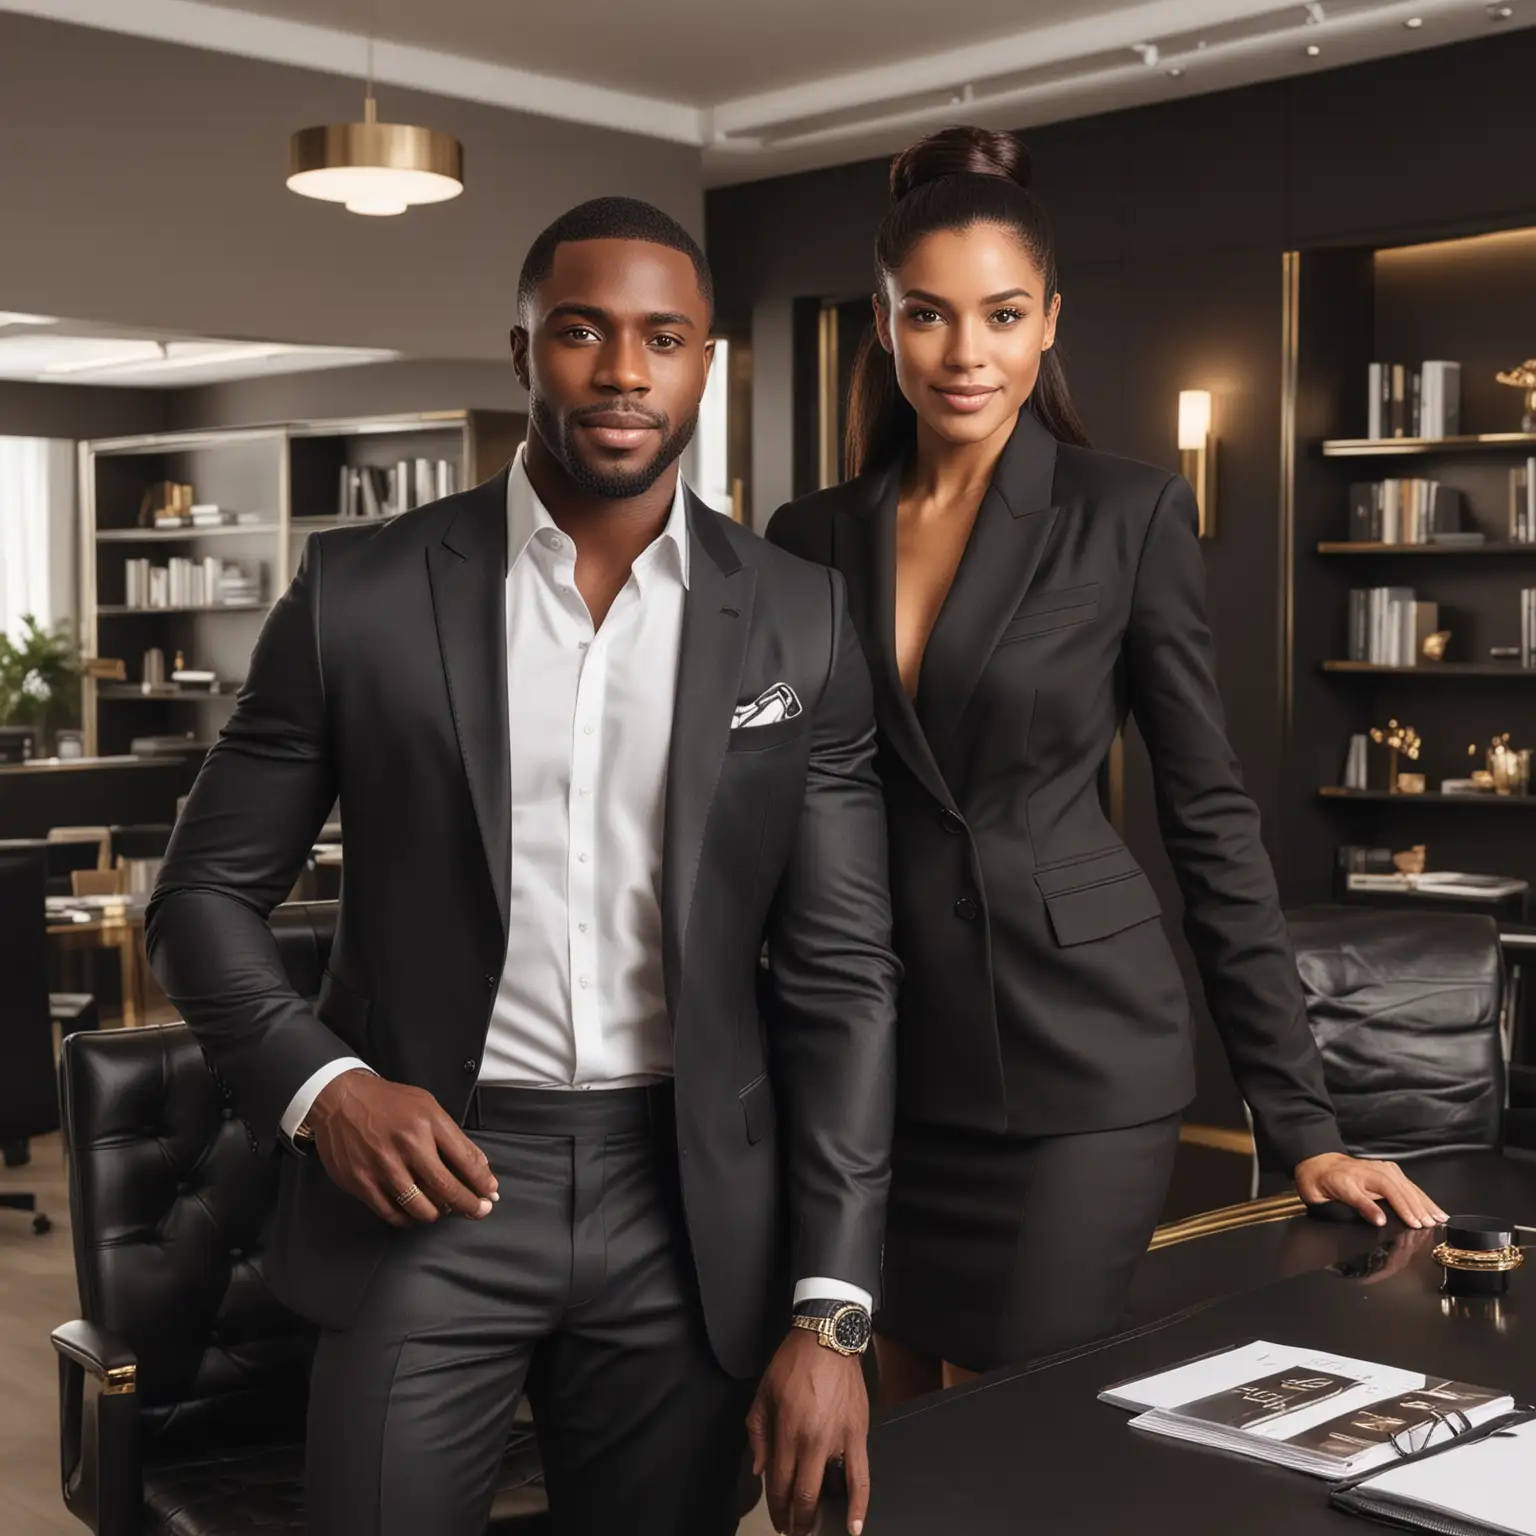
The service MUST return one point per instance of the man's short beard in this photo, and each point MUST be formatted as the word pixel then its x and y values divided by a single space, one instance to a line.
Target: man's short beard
pixel 609 485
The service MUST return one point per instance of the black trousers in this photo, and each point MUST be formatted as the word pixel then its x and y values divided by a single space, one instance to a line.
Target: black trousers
pixel 1000 1249
pixel 578 1287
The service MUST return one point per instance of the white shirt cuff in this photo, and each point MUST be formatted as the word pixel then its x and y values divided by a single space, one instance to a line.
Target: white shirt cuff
pixel 819 1289
pixel 299 1104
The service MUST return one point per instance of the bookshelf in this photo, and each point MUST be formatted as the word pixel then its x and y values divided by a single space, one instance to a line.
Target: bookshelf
pixel 1344 308
pixel 289 474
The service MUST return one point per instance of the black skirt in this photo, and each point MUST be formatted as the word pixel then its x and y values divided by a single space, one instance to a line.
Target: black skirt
pixel 1000 1249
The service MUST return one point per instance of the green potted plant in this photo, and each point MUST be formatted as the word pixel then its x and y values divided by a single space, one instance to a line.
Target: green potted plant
pixel 40 679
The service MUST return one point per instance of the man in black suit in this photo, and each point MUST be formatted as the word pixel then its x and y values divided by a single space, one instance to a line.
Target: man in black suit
pixel 593 744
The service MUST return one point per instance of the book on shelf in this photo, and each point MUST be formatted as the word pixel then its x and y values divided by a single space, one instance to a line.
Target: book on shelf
pixel 370 492
pixel 1408 400
pixel 1356 859
pixel 1522 503
pixel 1323 1414
pixel 1403 511
pixel 1389 625
pixel 1528 627
pixel 182 583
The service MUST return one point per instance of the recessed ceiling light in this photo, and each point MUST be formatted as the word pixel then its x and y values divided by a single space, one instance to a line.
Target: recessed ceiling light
pixel 1414 23
pixel 1175 72
pixel 1500 12
pixel 1313 50
pixel 16 317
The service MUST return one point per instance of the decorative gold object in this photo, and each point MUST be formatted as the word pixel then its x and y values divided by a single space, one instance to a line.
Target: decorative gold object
pixel 1397 738
pixel 1524 377
pixel 1496 1261
pixel 163 500
pixel 105 669
pixel 1411 860
pixel 1435 644
pixel 1410 783
pixel 1508 767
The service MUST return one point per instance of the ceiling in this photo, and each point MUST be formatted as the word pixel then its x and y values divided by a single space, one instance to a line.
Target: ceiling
pixel 42 349
pixel 701 52
pixel 765 87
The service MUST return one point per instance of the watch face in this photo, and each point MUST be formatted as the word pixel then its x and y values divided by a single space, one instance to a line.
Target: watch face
pixel 850 1329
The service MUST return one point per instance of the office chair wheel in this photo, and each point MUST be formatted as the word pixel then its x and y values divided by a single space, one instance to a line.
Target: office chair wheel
pixel 41 1224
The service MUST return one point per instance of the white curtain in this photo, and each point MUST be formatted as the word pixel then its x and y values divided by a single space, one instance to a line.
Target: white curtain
pixel 25 533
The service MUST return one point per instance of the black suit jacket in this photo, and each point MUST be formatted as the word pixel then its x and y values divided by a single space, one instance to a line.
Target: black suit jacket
pixel 1041 993
pixel 381 677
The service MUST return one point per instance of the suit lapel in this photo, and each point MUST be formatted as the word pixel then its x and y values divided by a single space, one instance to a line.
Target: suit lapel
pixel 467 569
pixel 1012 530
pixel 864 549
pixel 717 619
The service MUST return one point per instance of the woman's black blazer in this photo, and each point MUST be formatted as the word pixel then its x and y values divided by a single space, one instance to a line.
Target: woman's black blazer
pixel 1041 993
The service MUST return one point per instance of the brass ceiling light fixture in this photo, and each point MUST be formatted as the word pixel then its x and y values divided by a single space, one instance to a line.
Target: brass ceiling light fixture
pixel 375 168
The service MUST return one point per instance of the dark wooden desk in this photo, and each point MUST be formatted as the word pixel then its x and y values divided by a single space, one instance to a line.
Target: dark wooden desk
pixel 1034 1451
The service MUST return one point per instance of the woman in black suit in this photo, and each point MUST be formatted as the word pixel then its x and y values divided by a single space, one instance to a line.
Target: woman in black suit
pixel 1017 594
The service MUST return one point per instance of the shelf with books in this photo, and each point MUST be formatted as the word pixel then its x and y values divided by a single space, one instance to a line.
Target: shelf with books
pixel 133 693
pixel 1390 447
pixel 1436 669
pixel 1361 547
pixel 1335 792
pixel 121 610
pixel 182 535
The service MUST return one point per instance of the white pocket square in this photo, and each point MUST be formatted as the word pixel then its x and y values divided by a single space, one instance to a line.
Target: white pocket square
pixel 771 706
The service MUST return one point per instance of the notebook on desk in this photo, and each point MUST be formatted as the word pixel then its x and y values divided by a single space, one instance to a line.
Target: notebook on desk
pixel 1326 1415
pixel 1481 1485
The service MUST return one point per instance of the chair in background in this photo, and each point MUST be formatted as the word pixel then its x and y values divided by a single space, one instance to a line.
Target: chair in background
pixel 182 1388
pixel 29 1101
pixel 72 849
pixel 1408 1012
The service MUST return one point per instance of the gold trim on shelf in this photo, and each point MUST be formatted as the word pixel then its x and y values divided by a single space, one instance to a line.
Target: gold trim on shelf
pixel 1229 1218
pixel 828 448
pixel 1385 447
pixel 1220 1138
pixel 1290 365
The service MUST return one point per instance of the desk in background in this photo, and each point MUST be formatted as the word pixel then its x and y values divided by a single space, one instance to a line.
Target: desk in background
pixel 89 792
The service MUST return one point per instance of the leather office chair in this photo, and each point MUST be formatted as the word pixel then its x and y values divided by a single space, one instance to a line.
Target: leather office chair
pixel 29 1097
pixel 182 1388
pixel 1407 1009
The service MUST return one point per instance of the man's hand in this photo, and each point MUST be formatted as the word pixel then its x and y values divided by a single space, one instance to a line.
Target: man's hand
pixel 377 1139
pixel 1359 1182
pixel 811 1408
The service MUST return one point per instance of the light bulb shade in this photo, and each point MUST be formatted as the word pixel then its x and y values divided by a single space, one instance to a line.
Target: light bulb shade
pixel 1194 418
pixel 375 168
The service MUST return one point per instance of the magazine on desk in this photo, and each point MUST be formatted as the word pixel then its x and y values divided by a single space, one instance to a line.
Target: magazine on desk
pixel 1326 1415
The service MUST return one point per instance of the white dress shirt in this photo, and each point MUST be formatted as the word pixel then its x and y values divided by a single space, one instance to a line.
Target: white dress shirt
pixel 581 1003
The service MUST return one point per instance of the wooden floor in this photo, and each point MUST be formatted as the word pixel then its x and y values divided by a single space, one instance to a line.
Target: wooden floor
pixel 37 1292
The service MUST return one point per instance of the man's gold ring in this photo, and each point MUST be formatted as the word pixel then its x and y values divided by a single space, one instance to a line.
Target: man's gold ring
pixel 406 1195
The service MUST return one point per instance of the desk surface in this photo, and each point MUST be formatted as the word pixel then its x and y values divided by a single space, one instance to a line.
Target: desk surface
pixel 1033 1450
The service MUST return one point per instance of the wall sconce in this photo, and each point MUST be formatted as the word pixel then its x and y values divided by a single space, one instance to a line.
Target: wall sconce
pixel 1197 454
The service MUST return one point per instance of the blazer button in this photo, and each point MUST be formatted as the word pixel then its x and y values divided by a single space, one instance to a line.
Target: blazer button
pixel 470 1065
pixel 490 982
pixel 951 822
pixel 966 909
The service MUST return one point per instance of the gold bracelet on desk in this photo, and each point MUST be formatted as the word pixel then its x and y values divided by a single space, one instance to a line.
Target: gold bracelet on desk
pixel 1486 1260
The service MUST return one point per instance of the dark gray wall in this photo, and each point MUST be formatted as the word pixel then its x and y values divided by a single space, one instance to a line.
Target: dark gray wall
pixel 73 411
pixel 143 184
pixel 1171 223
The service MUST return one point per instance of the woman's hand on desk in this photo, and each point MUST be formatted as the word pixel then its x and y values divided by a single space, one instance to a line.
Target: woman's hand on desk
pixel 1362 1183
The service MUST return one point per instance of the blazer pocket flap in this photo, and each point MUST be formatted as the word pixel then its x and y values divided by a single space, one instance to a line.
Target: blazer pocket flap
pixel 1096 911
pixel 343 1009
pixel 757 1105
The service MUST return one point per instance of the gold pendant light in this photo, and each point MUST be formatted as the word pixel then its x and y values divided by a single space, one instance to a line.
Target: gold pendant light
pixel 372 167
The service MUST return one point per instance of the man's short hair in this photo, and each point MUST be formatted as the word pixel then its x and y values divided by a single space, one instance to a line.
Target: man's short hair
pixel 611 218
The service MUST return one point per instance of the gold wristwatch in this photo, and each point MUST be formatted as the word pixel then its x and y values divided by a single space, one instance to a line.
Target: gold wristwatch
pixel 840 1325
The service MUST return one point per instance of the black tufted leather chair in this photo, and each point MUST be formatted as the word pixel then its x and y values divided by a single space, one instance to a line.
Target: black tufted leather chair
pixel 182 1388
pixel 1406 1008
